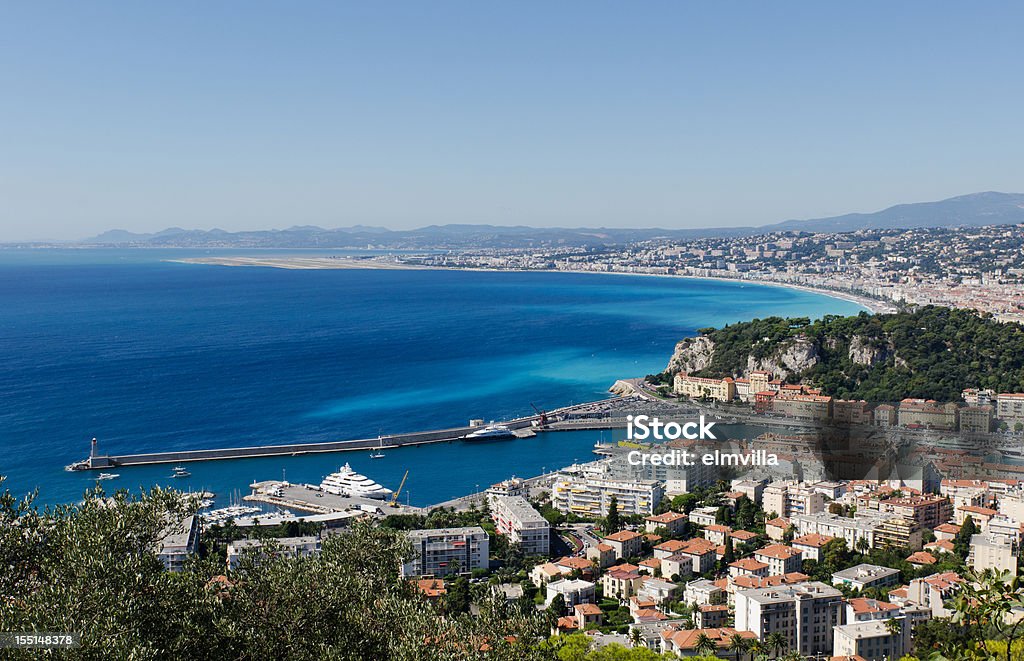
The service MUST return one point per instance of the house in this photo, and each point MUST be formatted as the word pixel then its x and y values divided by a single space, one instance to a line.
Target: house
pixel 569 565
pixel 573 590
pixel 601 555
pixel 431 588
pixel 776 528
pixel 696 556
pixel 674 522
pixel 657 590
pixel 941 546
pixel 621 581
pixel 860 609
pixel 625 543
pixel 946 531
pixel 650 566
pixel 703 591
pixel 743 536
pixel 780 559
pixel 748 567
pixel 704 516
pixel 873 640
pixel 544 573
pixel 866 576
pixel 683 642
pixel 588 615
pixel 811 545
pixel 710 616
pixel 717 533
pixel 671 547
pixel 921 559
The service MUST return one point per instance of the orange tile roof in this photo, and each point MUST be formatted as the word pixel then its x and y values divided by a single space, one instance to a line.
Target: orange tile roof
pixel 623 536
pixel 778 552
pixel 814 540
pixel 686 639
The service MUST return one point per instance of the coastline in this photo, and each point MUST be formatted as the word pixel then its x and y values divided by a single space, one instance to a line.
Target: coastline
pixel 873 306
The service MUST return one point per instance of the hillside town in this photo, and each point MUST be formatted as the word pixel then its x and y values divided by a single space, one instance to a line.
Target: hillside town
pixel 974 268
pixel 692 561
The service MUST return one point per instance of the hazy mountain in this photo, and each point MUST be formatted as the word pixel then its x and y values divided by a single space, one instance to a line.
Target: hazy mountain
pixel 977 209
pixel 972 210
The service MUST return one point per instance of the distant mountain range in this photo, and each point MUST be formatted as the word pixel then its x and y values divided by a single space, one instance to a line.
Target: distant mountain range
pixel 977 209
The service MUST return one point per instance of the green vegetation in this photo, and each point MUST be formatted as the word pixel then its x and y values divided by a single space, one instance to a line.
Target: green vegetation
pixel 931 352
pixel 91 568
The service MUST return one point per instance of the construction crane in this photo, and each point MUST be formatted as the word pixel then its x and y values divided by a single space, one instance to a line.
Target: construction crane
pixel 394 497
pixel 541 415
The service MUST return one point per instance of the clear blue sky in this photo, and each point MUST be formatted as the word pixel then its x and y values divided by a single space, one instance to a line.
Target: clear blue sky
pixel 250 115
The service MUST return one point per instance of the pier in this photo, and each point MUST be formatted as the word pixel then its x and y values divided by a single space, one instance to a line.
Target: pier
pixel 558 420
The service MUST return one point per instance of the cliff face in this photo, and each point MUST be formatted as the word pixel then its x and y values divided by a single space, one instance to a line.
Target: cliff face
pixel 793 357
pixel 692 354
pixel 868 352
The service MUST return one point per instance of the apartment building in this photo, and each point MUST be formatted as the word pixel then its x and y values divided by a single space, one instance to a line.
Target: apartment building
pixel 924 511
pixel 803 407
pixel 872 641
pixel 993 552
pixel 976 419
pixel 927 413
pixel 573 590
pixel 865 576
pixel 289 547
pixel 178 541
pixel 447 551
pixel 1010 407
pixel 851 412
pixel 590 496
pixel 722 390
pixel 788 499
pixel 804 614
pixel 853 530
pixel 515 518
pixel 674 522
pixel 625 543
pixel 780 559
pixel 810 545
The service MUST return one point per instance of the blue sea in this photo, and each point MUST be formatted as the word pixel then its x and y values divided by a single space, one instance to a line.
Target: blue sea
pixel 147 355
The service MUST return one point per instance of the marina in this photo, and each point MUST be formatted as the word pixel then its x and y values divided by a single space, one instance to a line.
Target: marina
pixel 525 427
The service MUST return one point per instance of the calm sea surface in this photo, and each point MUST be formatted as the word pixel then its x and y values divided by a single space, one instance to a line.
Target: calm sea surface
pixel 149 355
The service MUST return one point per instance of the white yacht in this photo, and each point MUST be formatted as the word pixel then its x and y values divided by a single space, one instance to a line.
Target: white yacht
pixel 107 476
pixel 180 472
pixel 489 432
pixel 347 482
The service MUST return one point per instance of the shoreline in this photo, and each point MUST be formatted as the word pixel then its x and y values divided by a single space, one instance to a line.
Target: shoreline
pixel 873 306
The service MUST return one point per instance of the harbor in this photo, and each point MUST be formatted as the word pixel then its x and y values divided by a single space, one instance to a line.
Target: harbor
pixel 589 415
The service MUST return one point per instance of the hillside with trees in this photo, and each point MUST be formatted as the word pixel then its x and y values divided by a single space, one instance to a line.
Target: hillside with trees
pixel 931 352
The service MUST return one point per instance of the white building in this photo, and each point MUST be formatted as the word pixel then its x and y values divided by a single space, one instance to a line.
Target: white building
pixel 179 540
pixel 289 547
pixel 591 496
pixel 874 640
pixel 515 518
pixel 514 486
pixel 573 590
pixel 787 500
pixel 704 516
pixel 866 576
pixel 447 550
pixel 994 552
pixel 804 614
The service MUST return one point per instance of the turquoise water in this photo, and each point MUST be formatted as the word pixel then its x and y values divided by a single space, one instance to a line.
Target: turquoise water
pixel 149 355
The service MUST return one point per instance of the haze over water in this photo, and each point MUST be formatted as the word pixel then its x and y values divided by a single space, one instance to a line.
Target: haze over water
pixel 149 355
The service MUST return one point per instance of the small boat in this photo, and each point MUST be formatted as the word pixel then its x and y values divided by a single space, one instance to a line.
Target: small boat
pixel 379 454
pixel 107 476
pixel 376 455
pixel 180 472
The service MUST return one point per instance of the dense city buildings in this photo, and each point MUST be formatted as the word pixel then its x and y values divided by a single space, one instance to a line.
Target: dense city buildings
pixel 516 518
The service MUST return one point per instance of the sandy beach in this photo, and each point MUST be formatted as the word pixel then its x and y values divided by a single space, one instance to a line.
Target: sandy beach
pixel 320 263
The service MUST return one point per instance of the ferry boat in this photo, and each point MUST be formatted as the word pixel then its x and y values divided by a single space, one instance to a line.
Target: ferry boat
pixel 107 476
pixel 347 482
pixel 490 432
pixel 180 472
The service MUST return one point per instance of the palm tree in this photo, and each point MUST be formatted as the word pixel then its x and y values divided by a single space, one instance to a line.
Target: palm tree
pixel 776 642
pixel 894 626
pixel 636 638
pixel 738 645
pixel 704 645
